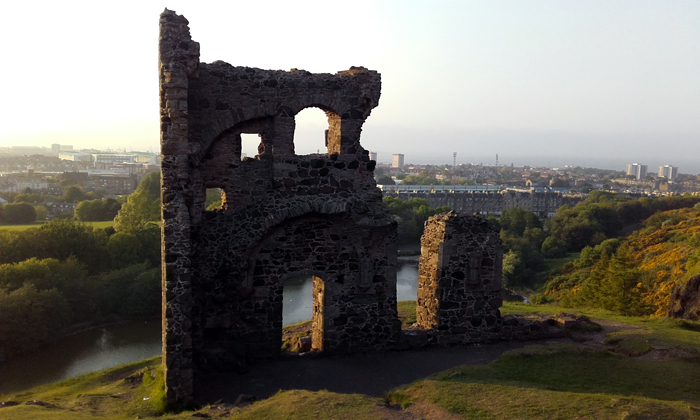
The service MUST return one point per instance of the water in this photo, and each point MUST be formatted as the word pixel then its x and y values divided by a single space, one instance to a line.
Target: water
pixel 81 353
pixel 298 292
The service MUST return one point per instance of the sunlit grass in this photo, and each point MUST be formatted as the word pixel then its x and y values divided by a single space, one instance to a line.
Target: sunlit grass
pixel 96 225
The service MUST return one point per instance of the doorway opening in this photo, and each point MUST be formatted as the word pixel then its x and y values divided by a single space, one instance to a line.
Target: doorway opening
pixel 302 314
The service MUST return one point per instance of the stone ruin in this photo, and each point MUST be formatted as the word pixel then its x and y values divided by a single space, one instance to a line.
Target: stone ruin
pixel 284 215
pixel 459 279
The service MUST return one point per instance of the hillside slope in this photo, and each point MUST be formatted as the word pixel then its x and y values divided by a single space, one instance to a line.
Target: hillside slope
pixel 636 275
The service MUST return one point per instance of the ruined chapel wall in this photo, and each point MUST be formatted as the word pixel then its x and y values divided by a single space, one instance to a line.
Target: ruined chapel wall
pixel 223 97
pixel 178 58
pixel 282 213
pixel 459 279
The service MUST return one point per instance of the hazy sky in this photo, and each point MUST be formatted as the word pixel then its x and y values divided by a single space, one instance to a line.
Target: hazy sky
pixel 595 83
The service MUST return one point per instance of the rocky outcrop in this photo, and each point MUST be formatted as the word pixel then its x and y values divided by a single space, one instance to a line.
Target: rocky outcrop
pixel 685 300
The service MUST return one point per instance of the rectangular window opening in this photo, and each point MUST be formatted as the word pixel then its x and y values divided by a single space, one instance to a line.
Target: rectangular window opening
pixel 214 199
pixel 249 145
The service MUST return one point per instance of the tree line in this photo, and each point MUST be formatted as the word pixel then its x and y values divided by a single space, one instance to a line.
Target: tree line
pixel 67 272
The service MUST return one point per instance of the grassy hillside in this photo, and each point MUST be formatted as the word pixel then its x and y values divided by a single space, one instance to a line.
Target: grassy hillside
pixel 640 368
pixel 637 274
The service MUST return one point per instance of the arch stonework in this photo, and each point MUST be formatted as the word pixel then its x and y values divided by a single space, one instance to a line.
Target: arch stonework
pixel 281 213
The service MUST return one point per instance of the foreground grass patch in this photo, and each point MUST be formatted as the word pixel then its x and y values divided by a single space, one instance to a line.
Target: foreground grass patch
pixel 121 392
pixel 298 404
pixel 563 382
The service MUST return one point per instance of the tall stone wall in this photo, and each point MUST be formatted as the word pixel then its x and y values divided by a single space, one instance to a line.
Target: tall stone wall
pixel 282 214
pixel 459 279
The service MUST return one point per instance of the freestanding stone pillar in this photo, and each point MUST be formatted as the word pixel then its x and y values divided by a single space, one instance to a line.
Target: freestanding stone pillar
pixel 459 279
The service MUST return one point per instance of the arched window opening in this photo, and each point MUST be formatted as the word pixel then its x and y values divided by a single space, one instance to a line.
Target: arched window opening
pixel 302 314
pixel 310 129
pixel 214 200
pixel 249 145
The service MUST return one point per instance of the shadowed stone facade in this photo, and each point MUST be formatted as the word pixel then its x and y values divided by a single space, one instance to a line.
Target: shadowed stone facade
pixel 459 279
pixel 282 214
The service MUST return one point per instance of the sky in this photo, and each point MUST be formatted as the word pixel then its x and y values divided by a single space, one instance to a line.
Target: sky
pixel 551 83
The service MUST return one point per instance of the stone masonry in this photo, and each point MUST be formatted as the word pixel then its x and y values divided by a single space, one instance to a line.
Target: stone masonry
pixel 282 214
pixel 459 279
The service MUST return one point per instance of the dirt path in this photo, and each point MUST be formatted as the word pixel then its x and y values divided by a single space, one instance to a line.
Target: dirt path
pixel 370 374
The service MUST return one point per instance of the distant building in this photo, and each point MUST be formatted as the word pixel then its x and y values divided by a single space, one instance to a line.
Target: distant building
pixel 56 148
pixel 373 156
pixel 103 160
pixel 397 161
pixel 19 184
pixel 669 172
pixel 74 156
pixel 637 170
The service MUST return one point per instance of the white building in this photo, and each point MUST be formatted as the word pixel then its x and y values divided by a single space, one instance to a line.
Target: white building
pixel 669 172
pixel 639 171
pixel 102 160
pixel 12 184
pixel 397 161
pixel 74 156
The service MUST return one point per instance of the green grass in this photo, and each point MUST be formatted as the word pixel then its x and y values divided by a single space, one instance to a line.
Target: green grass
pixel 407 312
pixel 96 225
pixel 554 264
pixel 541 381
pixel 563 382
pixel 96 395
pixel 22 227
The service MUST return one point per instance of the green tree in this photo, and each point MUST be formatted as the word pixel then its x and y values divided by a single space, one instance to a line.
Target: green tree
pixel 29 318
pixel 141 207
pixel 73 194
pixel 411 215
pixel 512 264
pixel 130 291
pixel 128 248
pixel 41 212
pixel 618 287
pixel 514 221
pixel 18 214
pixel 29 198
pixel 385 180
pixel 97 210
pixel 553 247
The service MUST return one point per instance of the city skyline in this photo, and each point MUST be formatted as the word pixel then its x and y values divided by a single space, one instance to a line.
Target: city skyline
pixel 599 84
pixel 395 160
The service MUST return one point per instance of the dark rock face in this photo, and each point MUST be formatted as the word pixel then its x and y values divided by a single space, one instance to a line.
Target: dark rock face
pixel 282 214
pixel 685 300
